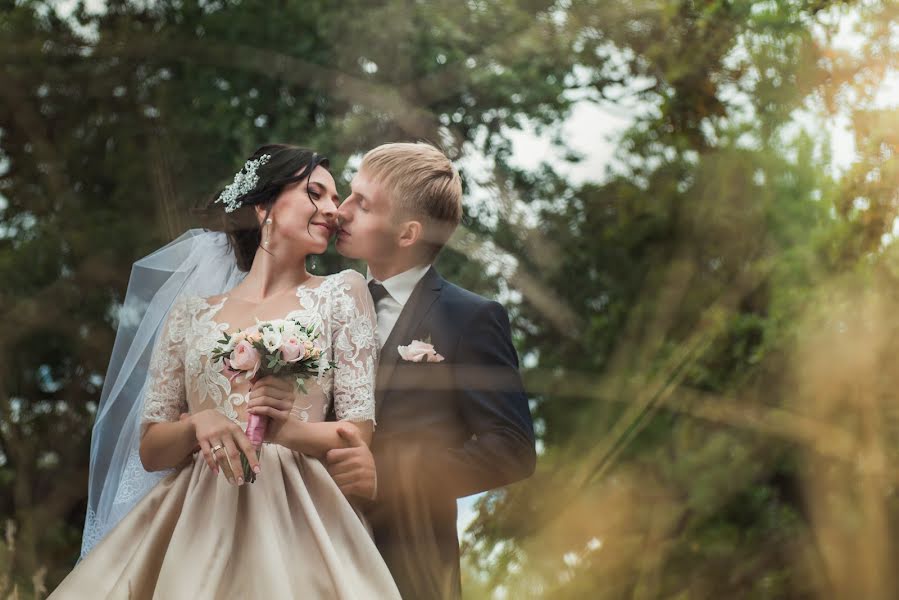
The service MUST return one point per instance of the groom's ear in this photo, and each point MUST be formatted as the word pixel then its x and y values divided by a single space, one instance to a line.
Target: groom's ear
pixel 410 233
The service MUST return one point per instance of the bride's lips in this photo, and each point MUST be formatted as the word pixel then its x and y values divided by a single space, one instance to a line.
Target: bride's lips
pixel 326 227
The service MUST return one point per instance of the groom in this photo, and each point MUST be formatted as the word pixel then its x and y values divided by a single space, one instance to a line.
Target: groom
pixel 452 415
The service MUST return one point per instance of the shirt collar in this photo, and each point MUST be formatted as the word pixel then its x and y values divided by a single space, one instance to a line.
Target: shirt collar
pixel 401 286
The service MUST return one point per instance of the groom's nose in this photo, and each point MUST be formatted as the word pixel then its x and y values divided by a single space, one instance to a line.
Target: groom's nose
pixel 344 212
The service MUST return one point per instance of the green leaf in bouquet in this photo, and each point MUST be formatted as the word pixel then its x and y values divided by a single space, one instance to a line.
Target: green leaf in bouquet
pixel 301 385
pixel 248 475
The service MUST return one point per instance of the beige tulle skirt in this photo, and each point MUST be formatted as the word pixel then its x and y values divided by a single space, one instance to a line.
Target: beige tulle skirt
pixel 291 534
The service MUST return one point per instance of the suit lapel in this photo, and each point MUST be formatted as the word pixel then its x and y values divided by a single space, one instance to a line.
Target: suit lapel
pixel 414 312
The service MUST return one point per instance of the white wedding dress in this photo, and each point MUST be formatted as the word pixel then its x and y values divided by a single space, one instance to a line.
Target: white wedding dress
pixel 291 534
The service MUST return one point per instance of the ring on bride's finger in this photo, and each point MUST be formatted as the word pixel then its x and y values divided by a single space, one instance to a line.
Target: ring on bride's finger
pixel 218 447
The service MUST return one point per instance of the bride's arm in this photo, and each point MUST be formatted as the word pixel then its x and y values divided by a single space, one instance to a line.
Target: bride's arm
pixel 167 445
pixel 167 440
pixel 316 439
pixel 273 397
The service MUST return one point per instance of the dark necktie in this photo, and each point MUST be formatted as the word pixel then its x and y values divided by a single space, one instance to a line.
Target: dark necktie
pixel 377 291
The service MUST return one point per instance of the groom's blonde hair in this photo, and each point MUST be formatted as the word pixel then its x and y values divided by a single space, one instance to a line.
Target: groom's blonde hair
pixel 422 184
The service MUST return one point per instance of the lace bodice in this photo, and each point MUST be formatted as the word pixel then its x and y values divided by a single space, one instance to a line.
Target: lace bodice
pixel 184 378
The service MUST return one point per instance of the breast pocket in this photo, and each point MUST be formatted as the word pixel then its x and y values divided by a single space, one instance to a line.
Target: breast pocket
pixel 422 378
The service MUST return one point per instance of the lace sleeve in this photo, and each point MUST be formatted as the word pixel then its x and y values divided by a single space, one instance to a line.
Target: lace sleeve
pixel 165 392
pixel 355 344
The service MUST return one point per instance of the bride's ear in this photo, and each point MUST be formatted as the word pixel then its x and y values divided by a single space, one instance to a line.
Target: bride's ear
pixel 410 233
pixel 260 214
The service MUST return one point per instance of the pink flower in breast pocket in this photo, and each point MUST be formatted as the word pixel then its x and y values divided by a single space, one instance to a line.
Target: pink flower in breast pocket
pixel 419 351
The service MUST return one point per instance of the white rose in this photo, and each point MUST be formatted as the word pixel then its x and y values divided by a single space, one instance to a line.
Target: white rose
pixel 288 329
pixel 271 339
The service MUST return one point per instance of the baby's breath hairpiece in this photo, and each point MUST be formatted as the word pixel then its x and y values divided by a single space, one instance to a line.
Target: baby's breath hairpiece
pixel 244 182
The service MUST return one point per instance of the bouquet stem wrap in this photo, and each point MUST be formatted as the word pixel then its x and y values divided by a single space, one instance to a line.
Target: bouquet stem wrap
pixel 256 426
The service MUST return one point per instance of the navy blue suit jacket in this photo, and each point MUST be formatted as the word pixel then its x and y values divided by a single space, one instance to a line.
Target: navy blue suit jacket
pixel 445 430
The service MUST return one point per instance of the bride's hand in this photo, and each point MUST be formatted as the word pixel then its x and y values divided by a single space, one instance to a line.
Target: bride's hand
pixel 214 430
pixel 272 397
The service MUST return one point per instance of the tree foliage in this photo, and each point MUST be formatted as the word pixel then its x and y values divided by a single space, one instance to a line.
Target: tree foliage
pixel 702 381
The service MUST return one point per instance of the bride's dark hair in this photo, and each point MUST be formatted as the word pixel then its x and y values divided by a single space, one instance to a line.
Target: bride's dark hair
pixel 287 165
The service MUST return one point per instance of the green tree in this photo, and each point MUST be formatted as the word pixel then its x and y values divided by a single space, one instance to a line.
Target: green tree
pixel 701 381
pixel 671 362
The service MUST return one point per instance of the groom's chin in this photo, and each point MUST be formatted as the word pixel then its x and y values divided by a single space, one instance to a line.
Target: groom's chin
pixel 344 249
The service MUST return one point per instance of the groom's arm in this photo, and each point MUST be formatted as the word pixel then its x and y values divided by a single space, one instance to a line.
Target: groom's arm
pixel 491 400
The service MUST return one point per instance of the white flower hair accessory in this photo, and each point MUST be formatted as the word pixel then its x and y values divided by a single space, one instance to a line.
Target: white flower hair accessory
pixel 419 351
pixel 244 182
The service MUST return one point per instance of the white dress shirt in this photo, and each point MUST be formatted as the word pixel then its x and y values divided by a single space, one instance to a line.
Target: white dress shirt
pixel 399 289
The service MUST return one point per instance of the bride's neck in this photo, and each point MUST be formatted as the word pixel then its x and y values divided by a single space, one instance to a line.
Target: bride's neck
pixel 271 275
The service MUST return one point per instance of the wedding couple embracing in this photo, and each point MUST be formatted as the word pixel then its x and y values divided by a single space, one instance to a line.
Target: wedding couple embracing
pixel 268 433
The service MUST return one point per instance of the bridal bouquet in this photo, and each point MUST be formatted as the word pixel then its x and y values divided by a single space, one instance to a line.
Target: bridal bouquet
pixel 281 347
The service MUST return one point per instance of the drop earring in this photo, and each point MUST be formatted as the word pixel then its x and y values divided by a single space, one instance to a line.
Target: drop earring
pixel 267 233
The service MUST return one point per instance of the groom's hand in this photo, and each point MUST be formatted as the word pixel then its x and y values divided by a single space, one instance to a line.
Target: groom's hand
pixel 353 467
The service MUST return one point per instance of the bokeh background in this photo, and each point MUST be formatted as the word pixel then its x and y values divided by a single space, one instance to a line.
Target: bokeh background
pixel 688 206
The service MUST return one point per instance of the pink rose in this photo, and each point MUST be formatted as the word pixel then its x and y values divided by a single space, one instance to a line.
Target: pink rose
pixel 228 372
pixel 292 349
pixel 246 358
pixel 418 351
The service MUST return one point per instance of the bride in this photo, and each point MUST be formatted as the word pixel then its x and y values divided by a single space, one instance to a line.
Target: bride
pixel 169 512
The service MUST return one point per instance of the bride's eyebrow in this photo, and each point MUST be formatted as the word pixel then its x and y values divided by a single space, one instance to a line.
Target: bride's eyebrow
pixel 321 189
